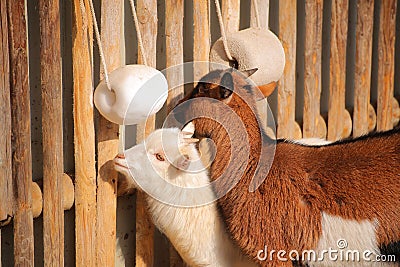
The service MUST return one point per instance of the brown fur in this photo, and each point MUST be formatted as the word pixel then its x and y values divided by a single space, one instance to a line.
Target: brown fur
pixel 355 179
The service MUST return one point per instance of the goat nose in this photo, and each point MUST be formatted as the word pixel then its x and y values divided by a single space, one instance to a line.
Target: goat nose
pixel 120 156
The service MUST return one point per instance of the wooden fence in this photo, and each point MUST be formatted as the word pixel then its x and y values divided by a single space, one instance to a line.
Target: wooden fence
pixel 341 79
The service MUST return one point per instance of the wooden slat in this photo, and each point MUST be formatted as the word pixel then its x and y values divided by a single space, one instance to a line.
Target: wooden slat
pixel 337 69
pixel 174 48
pixel 174 13
pixel 371 118
pixel 312 67
pixel 6 209
pixel 386 47
pixel 363 64
pixel 147 15
pixel 231 15
pixel 52 127
pixel 287 84
pixel 201 37
pixel 21 133
pixel 84 138
pixel 395 111
pixel 107 140
pixel 263 12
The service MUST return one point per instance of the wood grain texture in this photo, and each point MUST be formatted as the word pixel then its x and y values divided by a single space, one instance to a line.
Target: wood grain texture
pixel 37 203
pixel 263 11
pixel 312 68
pixel 346 122
pixel 107 140
pixel 230 10
pixel 52 129
pixel 21 134
pixel 68 192
pixel 363 65
pixel 174 13
pixel 337 78
pixel 386 50
pixel 147 15
pixel 287 84
pixel 371 118
pixel 37 197
pixel 84 137
pixel 174 49
pixel 395 112
pixel 201 37
pixel 6 206
pixel 37 200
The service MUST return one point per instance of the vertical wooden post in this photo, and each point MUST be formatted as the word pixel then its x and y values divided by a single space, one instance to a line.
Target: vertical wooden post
pixel 21 133
pixel 6 206
pixel 174 48
pixel 84 137
pixel 362 78
pixel 312 67
pixel 174 12
pixel 386 47
pixel 147 16
pixel 5 119
pixel 52 126
pixel 287 85
pixel 201 37
pixel 231 15
pixel 337 79
pixel 263 12
pixel 107 141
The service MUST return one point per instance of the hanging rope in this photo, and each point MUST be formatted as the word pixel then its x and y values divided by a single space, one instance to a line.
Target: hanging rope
pixel 255 5
pixel 138 33
pixel 222 29
pixel 98 39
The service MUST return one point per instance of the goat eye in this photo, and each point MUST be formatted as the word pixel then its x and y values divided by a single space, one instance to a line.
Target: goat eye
pixel 159 157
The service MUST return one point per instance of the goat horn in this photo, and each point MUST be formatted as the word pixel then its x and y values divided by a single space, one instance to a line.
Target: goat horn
pixel 187 133
pixel 191 140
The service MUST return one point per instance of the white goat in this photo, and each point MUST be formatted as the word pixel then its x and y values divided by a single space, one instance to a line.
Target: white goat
pixel 198 233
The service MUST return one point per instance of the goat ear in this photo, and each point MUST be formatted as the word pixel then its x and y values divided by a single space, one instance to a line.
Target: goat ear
pixel 183 162
pixel 267 89
pixel 226 86
pixel 249 72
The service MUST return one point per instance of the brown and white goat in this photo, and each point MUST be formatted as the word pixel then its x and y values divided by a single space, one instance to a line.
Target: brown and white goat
pixel 312 196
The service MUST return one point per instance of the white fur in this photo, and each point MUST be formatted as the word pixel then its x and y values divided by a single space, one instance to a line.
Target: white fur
pixel 312 141
pixel 198 233
pixel 360 236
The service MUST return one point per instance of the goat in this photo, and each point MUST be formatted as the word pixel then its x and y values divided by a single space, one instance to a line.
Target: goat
pixel 198 233
pixel 311 196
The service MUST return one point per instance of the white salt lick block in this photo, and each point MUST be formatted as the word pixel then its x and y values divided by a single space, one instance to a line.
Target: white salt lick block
pixel 138 91
pixel 252 48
